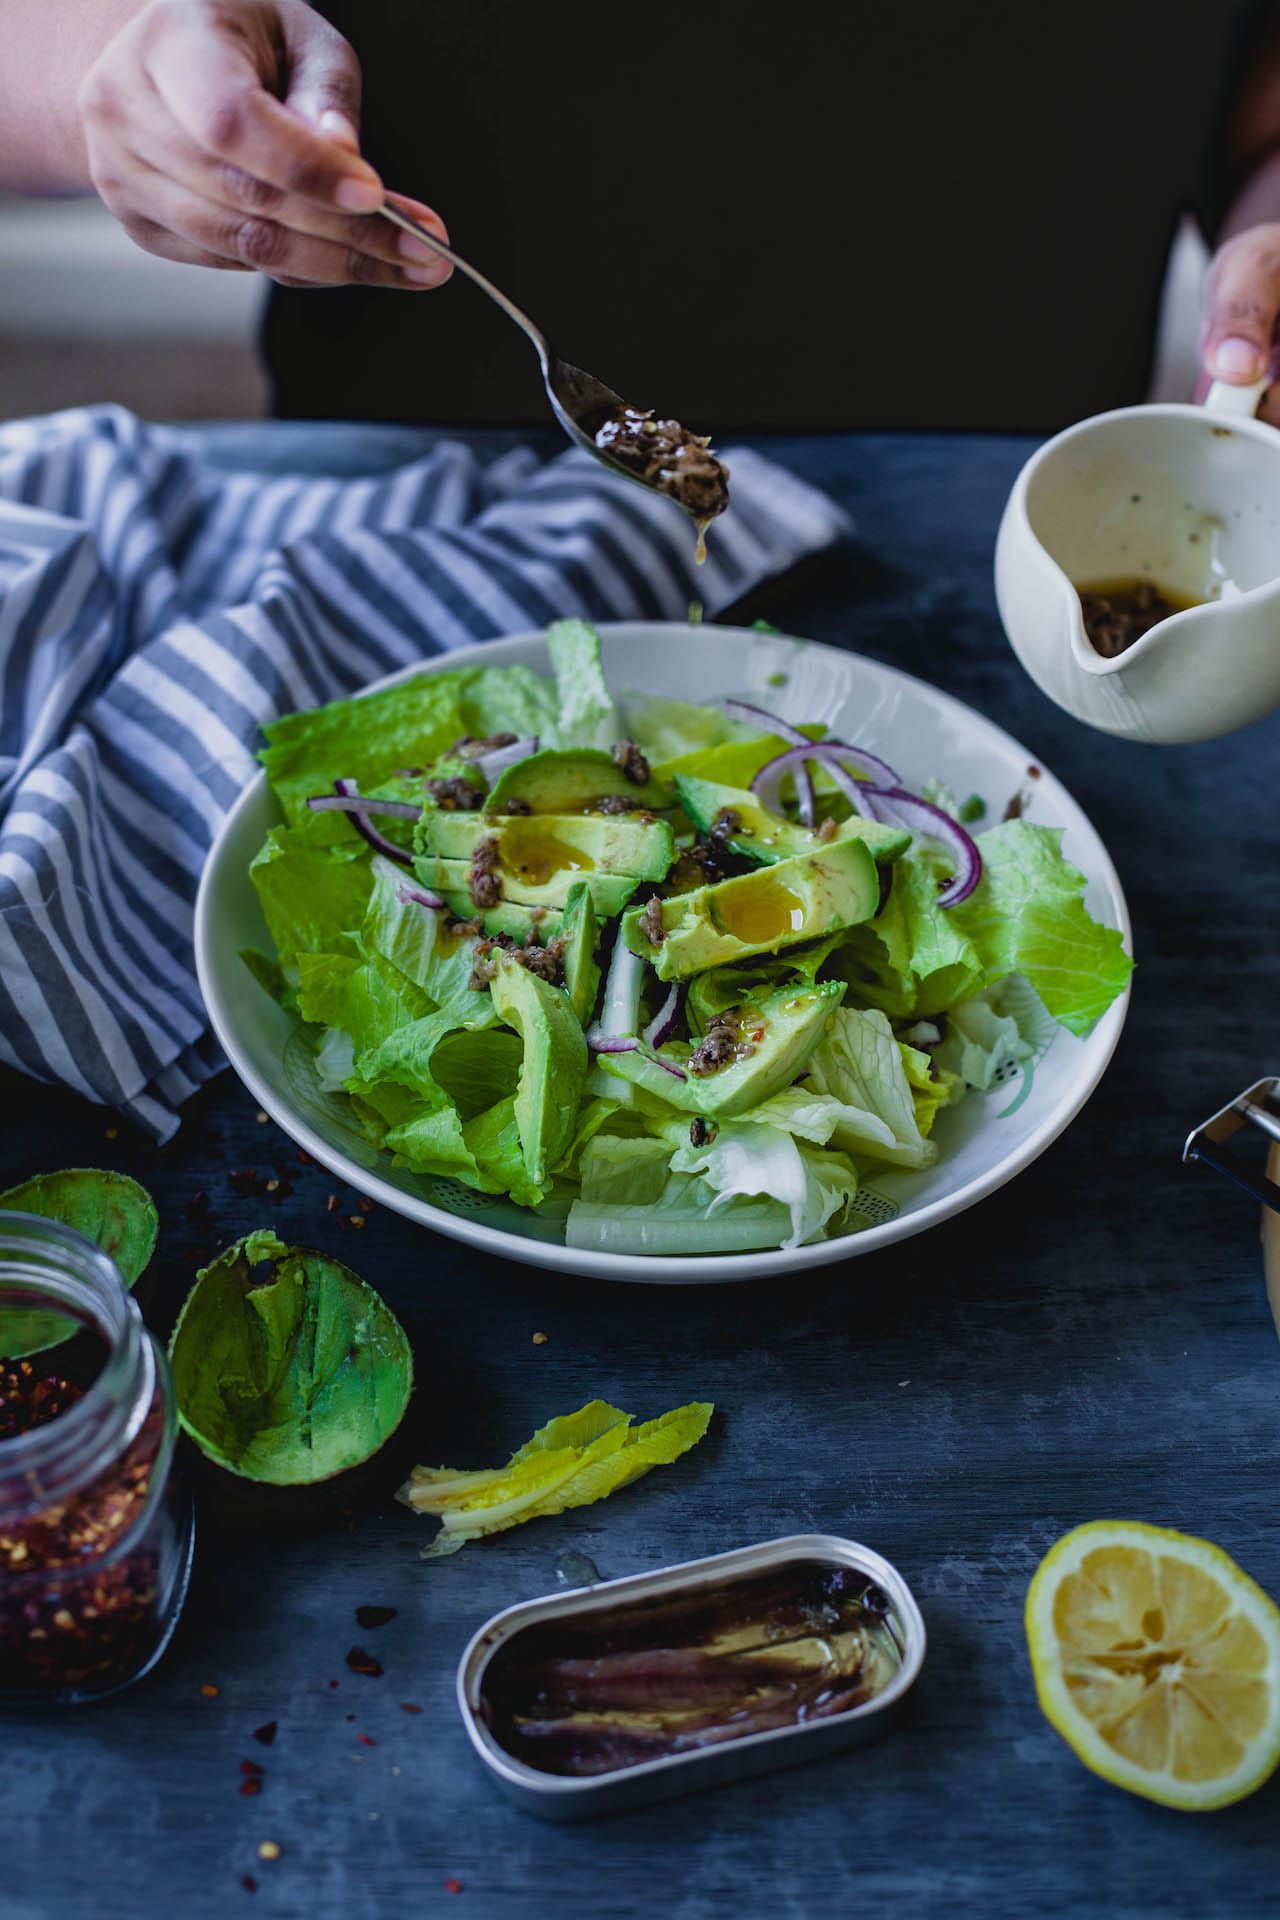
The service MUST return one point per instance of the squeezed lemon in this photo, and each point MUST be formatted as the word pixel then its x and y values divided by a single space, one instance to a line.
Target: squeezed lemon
pixel 1158 1661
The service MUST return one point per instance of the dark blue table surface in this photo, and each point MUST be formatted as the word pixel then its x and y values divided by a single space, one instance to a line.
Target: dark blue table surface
pixel 1092 1341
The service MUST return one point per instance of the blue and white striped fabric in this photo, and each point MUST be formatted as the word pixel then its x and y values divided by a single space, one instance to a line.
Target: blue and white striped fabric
pixel 155 610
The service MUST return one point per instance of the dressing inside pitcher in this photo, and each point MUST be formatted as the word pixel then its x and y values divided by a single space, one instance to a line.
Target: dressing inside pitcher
pixel 1138 571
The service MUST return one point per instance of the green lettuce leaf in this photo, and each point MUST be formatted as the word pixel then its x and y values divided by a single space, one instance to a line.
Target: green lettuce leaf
pixel 1027 915
pixel 508 700
pixel 915 958
pixel 932 1085
pixel 750 1159
pixel 680 1221
pixel 313 896
pixel 981 1038
pixel 586 714
pixel 369 739
pixel 571 1462
pixel 860 1065
pixel 622 1171
pixel 417 942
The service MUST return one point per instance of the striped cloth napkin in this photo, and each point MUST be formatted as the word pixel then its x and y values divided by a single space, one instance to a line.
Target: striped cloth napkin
pixel 156 609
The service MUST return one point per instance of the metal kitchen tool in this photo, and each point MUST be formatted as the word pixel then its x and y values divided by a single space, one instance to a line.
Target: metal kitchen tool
pixel 581 1797
pixel 580 402
pixel 1258 1106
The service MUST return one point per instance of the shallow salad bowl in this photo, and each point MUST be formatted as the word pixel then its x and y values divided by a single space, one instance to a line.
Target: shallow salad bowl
pixel 983 1142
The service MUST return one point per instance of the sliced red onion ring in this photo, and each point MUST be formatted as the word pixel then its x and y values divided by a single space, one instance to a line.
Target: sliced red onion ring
pixel 348 790
pixel 500 758
pixel 601 1042
pixel 898 808
pixel 663 1023
pixel 767 785
pixel 833 753
pixel 767 722
pixel 421 896
pixel 340 803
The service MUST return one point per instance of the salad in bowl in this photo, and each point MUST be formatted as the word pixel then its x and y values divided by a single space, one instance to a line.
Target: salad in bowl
pixel 677 978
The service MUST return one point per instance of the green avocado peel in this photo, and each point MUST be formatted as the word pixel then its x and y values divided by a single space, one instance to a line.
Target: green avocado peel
pixel 110 1209
pixel 292 1376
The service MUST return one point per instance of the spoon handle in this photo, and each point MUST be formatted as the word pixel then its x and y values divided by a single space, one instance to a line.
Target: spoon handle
pixel 442 247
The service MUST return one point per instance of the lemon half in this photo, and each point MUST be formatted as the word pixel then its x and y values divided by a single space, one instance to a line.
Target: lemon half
pixel 1158 1661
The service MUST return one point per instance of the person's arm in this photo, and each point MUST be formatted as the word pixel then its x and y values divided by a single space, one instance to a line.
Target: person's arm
pixel 220 132
pixel 1242 296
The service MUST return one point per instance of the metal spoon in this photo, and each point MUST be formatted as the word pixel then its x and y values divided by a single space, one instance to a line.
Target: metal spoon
pixel 582 404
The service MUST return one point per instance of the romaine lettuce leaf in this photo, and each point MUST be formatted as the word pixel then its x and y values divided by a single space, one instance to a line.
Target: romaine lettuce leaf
pixel 508 700
pixel 313 897
pixel 367 739
pixel 914 958
pixel 859 1064
pixel 571 1462
pixel 981 1038
pixel 585 713
pixel 750 1159
pixel 417 941
pixel 1027 915
pixel 624 1171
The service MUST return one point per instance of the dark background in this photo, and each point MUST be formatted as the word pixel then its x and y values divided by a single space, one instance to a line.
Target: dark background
pixel 1092 1341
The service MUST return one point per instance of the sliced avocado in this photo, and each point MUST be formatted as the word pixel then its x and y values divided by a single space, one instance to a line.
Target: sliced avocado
pixel 789 1025
pixel 536 847
pixel 778 906
pixel 765 837
pixel 522 923
pixel 571 782
pixel 554 1068
pixel 609 891
pixel 580 932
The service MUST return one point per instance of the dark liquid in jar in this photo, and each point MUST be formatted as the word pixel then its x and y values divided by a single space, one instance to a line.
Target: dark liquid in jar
pixel 1118 612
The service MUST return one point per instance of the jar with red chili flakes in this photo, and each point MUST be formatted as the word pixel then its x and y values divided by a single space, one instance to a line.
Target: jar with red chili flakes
pixel 96 1527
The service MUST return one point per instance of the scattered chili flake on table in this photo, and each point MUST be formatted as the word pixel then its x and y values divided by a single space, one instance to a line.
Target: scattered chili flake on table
pixel 331 1203
pixel 453 1886
pixel 366 1740
pixel 539 1339
pixel 209 1691
pixel 267 1732
pixel 361 1662
pixel 333 1683
pixel 250 1766
pixel 248 1882
pixel 250 1787
pixel 407 1706
pixel 272 1185
pixel 112 1132
pixel 374 1616
pixel 356 1219
pixel 261 1117
pixel 268 1850
pixel 365 1205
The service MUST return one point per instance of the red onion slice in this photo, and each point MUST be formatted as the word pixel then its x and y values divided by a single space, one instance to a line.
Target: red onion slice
pixel 340 803
pixel 921 816
pixel 420 896
pixel 833 753
pixel 767 785
pixel 348 790
pixel 767 722
pixel 663 1023
pixel 500 758
pixel 601 1042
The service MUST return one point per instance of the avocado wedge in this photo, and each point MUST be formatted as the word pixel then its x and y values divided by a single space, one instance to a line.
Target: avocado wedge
pixel 778 1034
pixel 554 1068
pixel 609 892
pixel 556 781
pixel 580 932
pixel 535 847
pixel 765 838
pixel 777 906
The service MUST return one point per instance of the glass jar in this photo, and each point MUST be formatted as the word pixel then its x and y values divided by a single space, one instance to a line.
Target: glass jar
pixel 96 1527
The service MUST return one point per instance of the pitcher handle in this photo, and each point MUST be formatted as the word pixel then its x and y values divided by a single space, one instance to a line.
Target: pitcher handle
pixel 1241 403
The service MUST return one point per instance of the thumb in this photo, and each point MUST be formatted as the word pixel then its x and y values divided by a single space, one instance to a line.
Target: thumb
pixel 1243 300
pixel 324 81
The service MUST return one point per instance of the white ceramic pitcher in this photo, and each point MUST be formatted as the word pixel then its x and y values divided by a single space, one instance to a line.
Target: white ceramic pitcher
pixel 1187 495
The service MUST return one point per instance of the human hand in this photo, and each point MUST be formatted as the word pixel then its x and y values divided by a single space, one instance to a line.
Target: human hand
pixel 226 133
pixel 1242 303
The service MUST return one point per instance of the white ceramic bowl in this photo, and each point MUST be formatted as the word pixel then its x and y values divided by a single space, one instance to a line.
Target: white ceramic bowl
pixel 925 734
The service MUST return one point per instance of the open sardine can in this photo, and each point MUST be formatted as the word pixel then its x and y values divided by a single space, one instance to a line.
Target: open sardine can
pixel 1181 499
pixel 574 1681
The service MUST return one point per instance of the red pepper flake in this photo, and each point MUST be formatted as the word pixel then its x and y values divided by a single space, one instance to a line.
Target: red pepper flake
pixel 331 1203
pixel 267 1732
pixel 112 1132
pixel 407 1706
pixel 453 1886
pixel 248 1882
pixel 365 1205
pixel 209 1691
pixel 250 1766
pixel 365 1740
pixel 304 1158
pixel 333 1683
pixel 251 1787
pixel 361 1662
pixel 374 1616
pixel 350 1716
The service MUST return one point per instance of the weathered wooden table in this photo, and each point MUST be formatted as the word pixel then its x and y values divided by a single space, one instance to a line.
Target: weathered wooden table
pixel 1092 1341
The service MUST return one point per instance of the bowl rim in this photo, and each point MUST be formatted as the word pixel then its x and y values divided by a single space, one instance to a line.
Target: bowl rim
pixel 666 1269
